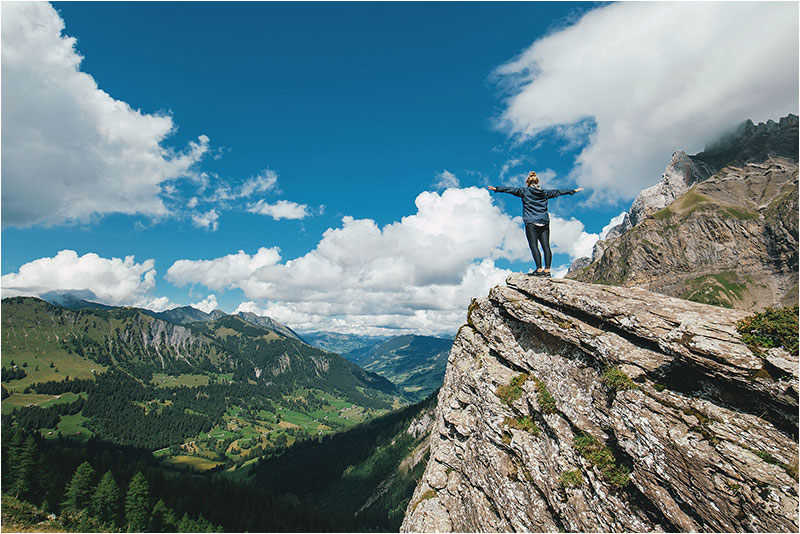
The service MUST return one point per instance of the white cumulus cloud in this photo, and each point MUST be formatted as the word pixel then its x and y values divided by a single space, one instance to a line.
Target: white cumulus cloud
pixel 225 272
pixel 261 183
pixel 634 81
pixel 445 180
pixel 114 281
pixel 207 220
pixel 70 150
pixel 207 305
pixel 417 274
pixel 612 223
pixel 568 236
pixel 282 209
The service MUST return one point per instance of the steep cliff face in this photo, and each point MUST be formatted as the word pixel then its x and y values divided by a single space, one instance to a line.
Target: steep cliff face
pixel 578 407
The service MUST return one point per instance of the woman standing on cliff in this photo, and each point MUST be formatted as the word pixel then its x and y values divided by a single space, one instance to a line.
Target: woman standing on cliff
pixel 536 218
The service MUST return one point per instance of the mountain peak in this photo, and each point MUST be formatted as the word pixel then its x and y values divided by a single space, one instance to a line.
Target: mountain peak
pixel 720 227
pixel 73 299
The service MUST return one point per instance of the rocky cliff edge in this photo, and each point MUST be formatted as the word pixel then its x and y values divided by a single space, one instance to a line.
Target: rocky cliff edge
pixel 577 407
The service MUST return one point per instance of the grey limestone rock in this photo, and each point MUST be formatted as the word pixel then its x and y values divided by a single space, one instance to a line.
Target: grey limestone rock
pixel 682 172
pixel 730 240
pixel 576 407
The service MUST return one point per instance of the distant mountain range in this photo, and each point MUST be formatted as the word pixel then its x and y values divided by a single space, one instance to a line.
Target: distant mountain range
pixel 183 315
pixel 231 396
pixel 415 364
pixel 281 383
pixel 341 343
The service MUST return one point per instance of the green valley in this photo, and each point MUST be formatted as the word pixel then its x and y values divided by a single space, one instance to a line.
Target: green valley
pixel 216 424
pixel 415 364
pixel 223 392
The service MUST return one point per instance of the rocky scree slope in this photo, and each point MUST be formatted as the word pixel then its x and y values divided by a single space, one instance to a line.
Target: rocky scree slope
pixel 577 407
pixel 720 227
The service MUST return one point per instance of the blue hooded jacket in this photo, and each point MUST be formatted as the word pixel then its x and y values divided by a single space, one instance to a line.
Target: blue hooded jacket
pixel 534 201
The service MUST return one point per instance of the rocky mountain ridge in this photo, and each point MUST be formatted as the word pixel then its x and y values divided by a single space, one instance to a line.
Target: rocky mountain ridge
pixel 140 344
pixel 181 315
pixel 747 144
pixel 720 227
pixel 577 407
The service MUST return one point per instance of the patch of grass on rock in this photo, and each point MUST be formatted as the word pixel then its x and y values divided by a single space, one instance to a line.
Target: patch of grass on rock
pixel 510 393
pixel 603 458
pixel 775 327
pixel 524 423
pixel 616 379
pixel 546 401
pixel 571 479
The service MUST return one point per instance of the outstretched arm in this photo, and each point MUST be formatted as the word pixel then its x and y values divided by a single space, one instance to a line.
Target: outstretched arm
pixel 552 193
pixel 516 191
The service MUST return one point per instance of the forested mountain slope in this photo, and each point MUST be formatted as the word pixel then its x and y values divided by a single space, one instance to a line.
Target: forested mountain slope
pixel 220 391
pixel 415 364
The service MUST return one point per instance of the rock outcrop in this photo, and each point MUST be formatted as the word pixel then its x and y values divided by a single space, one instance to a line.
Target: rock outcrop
pixel 720 227
pixel 682 172
pixel 577 407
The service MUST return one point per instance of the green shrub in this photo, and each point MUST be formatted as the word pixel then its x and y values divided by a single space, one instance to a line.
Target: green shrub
pixel 546 401
pixel 571 479
pixel 522 423
pixel 767 457
pixel 601 456
pixel 616 379
pixel 508 394
pixel 775 327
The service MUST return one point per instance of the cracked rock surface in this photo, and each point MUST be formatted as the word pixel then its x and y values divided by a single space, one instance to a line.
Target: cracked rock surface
pixel 577 407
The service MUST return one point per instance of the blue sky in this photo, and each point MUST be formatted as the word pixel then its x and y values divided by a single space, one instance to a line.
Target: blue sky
pixel 344 148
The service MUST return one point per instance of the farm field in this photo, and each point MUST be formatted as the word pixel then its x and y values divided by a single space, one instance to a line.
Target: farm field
pixel 19 400
pixel 37 367
pixel 194 463
pixel 70 426
pixel 246 433
pixel 165 381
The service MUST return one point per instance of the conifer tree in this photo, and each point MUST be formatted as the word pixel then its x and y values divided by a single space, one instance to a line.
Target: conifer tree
pixel 80 489
pixel 105 501
pixel 186 524
pixel 137 503
pixel 22 459
pixel 163 518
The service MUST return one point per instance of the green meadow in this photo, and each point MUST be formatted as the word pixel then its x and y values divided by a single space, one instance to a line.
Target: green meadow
pixel 19 400
pixel 194 463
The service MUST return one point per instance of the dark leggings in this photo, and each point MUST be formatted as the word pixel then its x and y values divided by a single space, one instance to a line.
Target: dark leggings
pixel 542 235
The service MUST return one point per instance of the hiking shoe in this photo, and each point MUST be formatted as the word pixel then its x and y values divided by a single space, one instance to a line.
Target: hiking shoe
pixel 537 273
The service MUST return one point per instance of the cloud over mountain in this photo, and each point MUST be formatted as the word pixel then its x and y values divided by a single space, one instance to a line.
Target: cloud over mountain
pixel 75 151
pixel 114 281
pixel 634 81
